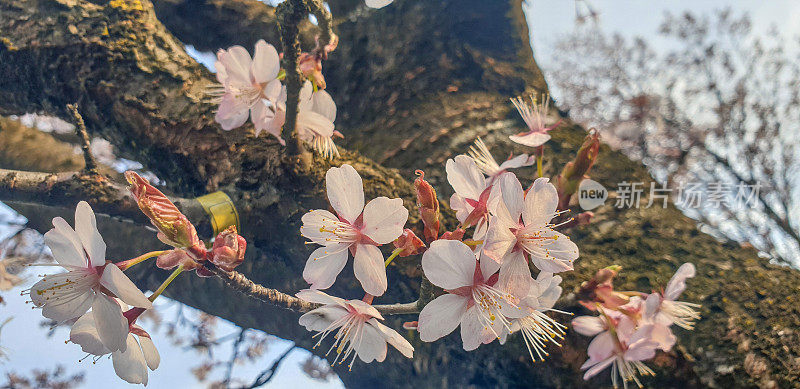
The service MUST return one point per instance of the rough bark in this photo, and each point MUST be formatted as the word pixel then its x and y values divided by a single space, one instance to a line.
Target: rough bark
pixel 416 82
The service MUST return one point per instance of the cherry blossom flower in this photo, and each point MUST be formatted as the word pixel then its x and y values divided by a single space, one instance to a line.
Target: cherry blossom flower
pixel 664 309
pixel 536 327
pixel 249 87
pixel 473 302
pixel 533 235
pixel 473 194
pixel 315 117
pixel 90 281
pixel 623 352
pixel 356 228
pixel 130 363
pixel 486 163
pixel 535 116
pixel 356 328
pixel 378 3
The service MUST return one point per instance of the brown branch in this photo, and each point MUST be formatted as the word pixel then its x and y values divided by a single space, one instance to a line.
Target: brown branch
pixel 86 144
pixel 290 13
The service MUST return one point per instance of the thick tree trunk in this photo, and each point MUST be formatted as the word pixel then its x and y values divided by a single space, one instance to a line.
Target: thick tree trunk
pixel 415 83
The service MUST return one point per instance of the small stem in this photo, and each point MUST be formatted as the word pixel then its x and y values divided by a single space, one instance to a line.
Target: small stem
pixel 125 265
pixel 394 255
pixel 539 161
pixel 166 283
pixel 368 298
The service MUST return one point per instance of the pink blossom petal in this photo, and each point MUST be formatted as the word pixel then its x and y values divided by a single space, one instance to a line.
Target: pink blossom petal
pixel 449 264
pixel 598 366
pixel 236 61
pixel 369 269
pixel 499 240
pixel 441 316
pixel 345 191
pixel 384 219
pixel 232 112
pixel 601 347
pixel 462 208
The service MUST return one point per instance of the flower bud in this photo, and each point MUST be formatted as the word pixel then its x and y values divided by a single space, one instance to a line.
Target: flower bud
pixel 410 243
pixel 600 289
pixel 228 249
pixel 428 205
pixel 174 228
pixel 575 171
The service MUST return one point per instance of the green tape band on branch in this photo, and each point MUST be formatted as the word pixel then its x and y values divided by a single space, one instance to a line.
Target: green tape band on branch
pixel 220 210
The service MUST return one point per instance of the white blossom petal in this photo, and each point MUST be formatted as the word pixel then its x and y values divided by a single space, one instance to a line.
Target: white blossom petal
pixel 515 275
pixel 324 264
pixel 534 139
pixel 130 364
pixel 118 283
pixel 588 325
pixel 265 65
pixel 322 103
pixel 86 229
pixel 65 244
pixel 369 269
pixel 370 344
pixel 449 264
pixel 384 219
pixel 317 226
pixel 472 329
pixel 345 191
pixel 677 283
pixel 378 3
pixel 465 177
pixel 112 326
pixel 441 316
pixel 512 195
pixel 319 297
pixel 84 333
pixel 393 338
pixel 150 352
pixel 319 319
pixel 540 203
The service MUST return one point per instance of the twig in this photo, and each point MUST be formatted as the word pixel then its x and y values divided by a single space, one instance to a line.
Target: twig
pixel 236 344
pixel 267 375
pixel 80 128
pixel 241 283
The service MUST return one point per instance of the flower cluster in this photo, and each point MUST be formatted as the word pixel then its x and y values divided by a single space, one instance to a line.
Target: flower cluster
pixel 94 294
pixel 250 87
pixel 631 326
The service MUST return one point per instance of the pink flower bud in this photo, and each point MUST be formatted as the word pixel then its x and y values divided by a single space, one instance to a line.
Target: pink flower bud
pixel 428 205
pixel 174 228
pixel 410 243
pixel 228 250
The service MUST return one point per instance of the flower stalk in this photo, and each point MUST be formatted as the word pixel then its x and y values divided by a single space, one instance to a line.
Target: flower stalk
pixel 166 283
pixel 125 265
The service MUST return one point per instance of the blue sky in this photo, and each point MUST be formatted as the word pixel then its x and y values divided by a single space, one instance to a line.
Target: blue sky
pixel 28 347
